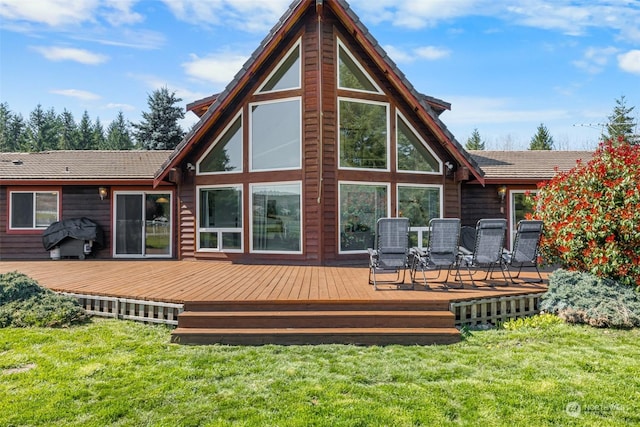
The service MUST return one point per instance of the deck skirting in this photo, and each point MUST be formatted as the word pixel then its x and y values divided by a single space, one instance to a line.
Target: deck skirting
pixel 495 310
pixel 129 309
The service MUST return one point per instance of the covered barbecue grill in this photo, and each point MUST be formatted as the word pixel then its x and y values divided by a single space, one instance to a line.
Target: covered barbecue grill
pixel 72 238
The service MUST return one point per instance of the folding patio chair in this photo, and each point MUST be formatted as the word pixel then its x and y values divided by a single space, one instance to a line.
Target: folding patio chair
pixel 441 251
pixel 391 254
pixel 487 252
pixel 525 250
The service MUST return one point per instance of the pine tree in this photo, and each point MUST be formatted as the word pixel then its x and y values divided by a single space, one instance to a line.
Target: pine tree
pixel 475 142
pixel 85 133
pixel 621 123
pixel 5 124
pixel 17 133
pixel 159 128
pixel 68 136
pixel 542 140
pixel 118 135
pixel 98 139
pixel 42 130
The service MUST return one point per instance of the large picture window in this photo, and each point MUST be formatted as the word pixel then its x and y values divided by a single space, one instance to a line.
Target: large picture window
pixel 364 136
pixel 32 210
pixel 276 217
pixel 226 153
pixel 420 204
pixel 276 135
pixel 220 219
pixel 413 154
pixel 361 205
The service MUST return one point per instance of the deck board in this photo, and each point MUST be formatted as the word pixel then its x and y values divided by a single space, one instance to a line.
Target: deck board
pixel 181 281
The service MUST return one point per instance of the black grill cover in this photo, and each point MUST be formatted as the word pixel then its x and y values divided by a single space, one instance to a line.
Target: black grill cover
pixel 77 228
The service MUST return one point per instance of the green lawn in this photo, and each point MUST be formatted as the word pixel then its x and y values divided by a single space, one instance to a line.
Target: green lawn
pixel 126 374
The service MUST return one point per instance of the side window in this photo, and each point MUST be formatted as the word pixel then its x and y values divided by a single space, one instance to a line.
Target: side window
pixel 364 136
pixel 276 135
pixel 351 75
pixel 413 154
pixel 286 74
pixel 32 210
pixel 220 218
pixel 225 155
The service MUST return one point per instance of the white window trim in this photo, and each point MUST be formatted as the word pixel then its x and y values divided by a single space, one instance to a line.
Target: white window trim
pixel 113 224
pixel 215 143
pixel 297 45
pixel 340 44
pixel 33 193
pixel 421 229
pixel 274 101
pixel 512 211
pixel 400 116
pixel 363 183
pixel 388 143
pixel 219 230
pixel 274 184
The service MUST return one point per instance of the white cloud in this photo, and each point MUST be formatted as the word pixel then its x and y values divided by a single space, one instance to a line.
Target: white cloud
pixel 430 53
pixel 54 53
pixel 219 69
pixel 595 59
pixel 76 93
pixel 122 107
pixel 119 12
pixel 248 15
pixel 630 61
pixel 50 12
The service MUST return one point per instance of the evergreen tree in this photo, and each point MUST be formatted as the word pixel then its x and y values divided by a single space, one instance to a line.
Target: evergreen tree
pixel 621 123
pixel 542 140
pixel 159 128
pixel 5 123
pixel 85 133
pixel 68 136
pixel 17 133
pixel 118 135
pixel 475 142
pixel 98 139
pixel 42 132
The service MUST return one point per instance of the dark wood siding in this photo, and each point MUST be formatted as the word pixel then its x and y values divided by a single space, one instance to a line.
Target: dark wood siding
pixel 481 202
pixel 76 202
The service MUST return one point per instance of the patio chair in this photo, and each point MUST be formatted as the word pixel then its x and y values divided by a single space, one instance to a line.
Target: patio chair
pixel 391 254
pixel 487 252
pixel 525 250
pixel 441 251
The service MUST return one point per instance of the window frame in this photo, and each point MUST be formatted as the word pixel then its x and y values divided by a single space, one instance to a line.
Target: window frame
pixel 387 106
pixel 513 223
pixel 238 116
pixel 34 229
pixel 219 230
pixel 387 185
pixel 341 44
pixel 400 116
pixel 254 185
pixel 296 45
pixel 421 229
pixel 250 106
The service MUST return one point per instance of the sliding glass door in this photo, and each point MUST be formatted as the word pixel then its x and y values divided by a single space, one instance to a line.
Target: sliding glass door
pixel 143 226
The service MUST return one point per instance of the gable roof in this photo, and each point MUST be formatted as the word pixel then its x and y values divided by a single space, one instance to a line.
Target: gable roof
pixel 81 165
pixel 428 108
pixel 526 166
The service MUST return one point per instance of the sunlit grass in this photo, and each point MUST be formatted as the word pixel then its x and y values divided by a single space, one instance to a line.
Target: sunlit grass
pixel 120 373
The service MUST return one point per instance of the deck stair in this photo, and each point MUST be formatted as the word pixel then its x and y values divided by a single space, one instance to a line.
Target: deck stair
pixel 316 322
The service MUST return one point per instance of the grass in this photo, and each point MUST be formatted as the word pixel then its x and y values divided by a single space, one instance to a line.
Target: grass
pixel 116 373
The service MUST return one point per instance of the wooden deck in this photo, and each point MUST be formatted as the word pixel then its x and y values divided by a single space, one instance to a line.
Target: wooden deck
pixel 339 303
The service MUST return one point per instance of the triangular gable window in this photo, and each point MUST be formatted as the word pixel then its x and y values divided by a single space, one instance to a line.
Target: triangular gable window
pixel 226 153
pixel 286 75
pixel 413 154
pixel 351 75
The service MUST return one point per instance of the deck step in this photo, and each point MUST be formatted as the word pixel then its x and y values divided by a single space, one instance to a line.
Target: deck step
pixel 317 305
pixel 316 319
pixel 307 336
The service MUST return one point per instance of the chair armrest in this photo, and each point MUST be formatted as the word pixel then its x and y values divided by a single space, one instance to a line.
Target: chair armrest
pixel 462 251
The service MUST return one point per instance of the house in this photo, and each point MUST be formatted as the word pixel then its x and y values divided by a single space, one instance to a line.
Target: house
pixel 318 136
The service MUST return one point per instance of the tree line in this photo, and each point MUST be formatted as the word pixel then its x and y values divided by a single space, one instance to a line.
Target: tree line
pixel 621 124
pixel 47 130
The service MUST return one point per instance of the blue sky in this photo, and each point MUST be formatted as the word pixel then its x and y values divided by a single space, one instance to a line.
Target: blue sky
pixel 505 66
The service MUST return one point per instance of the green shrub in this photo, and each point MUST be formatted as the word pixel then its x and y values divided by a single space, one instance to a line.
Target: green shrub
pixel 540 321
pixel 579 297
pixel 24 303
pixel 591 216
